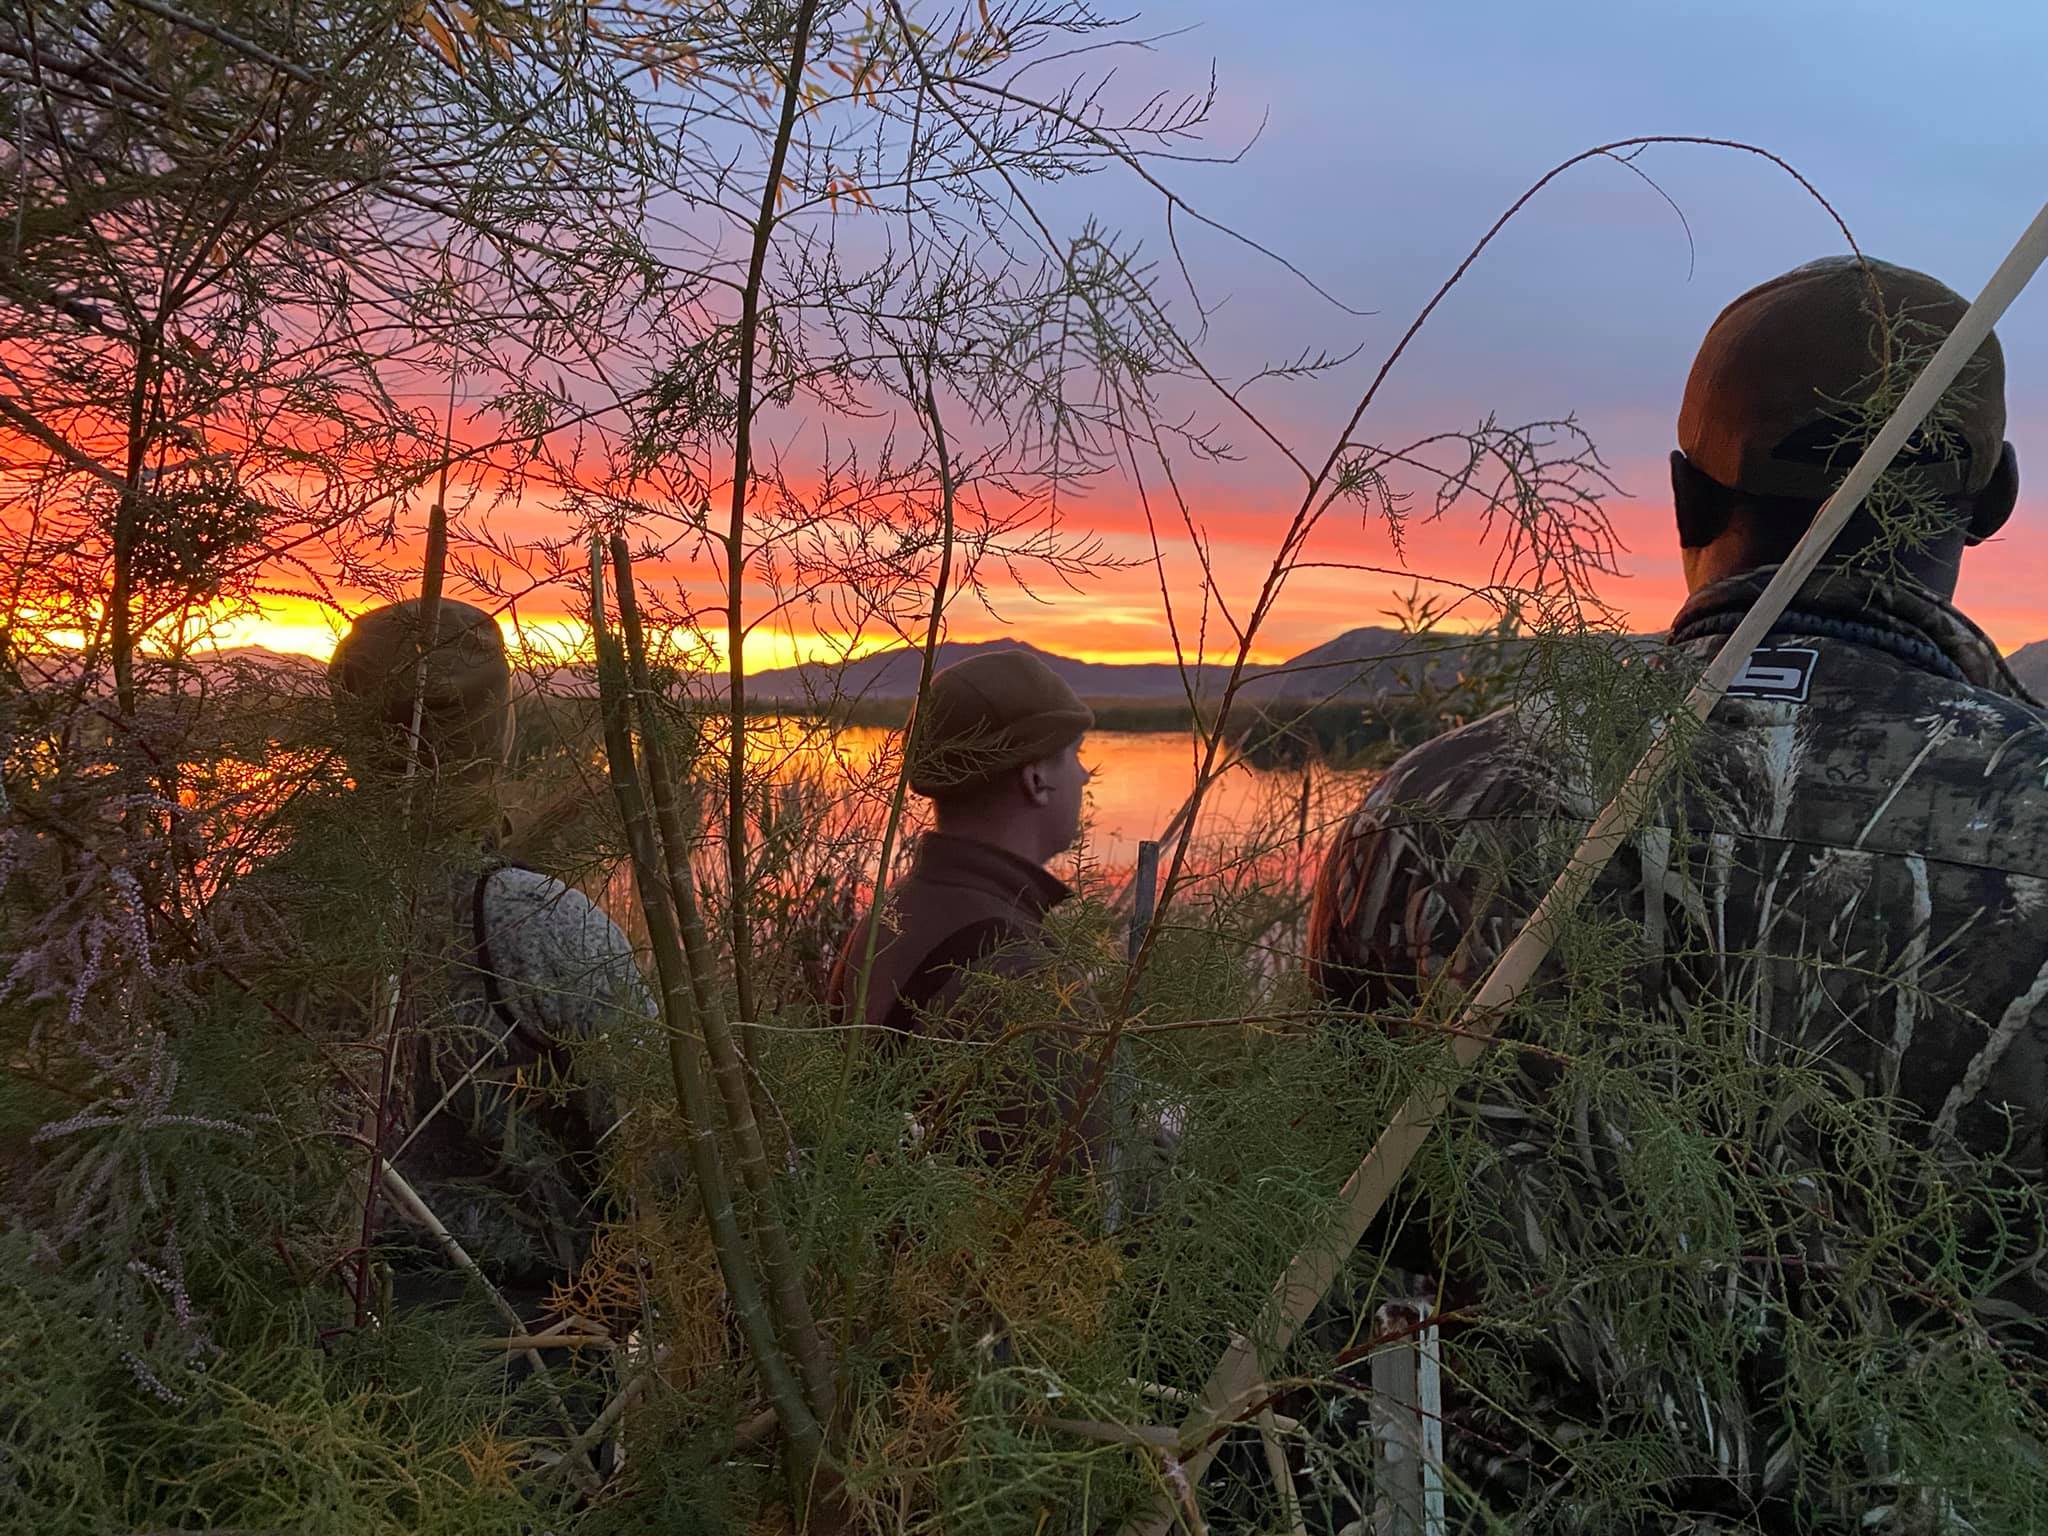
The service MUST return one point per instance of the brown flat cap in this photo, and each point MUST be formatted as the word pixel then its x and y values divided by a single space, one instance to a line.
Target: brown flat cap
pixel 1766 399
pixel 989 713
pixel 467 714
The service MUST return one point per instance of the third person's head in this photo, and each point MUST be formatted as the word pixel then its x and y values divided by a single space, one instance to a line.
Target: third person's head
pixel 1780 401
pixel 996 748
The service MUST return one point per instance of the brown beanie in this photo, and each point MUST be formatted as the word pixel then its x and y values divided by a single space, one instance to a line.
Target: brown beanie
pixel 987 714
pixel 1782 363
pixel 466 718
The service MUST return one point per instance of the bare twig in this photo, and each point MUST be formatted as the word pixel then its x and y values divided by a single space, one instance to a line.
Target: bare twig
pixel 221 35
pixel 1323 489
pixel 736 526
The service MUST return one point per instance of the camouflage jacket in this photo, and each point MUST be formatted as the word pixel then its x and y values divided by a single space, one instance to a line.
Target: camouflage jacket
pixel 526 984
pixel 1809 993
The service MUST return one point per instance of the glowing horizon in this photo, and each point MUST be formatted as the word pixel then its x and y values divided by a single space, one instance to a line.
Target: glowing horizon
pixel 1591 304
pixel 767 650
pixel 1117 618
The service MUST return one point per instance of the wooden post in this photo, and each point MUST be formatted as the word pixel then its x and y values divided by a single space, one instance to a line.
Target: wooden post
pixel 1144 901
pixel 1145 895
pixel 1407 1425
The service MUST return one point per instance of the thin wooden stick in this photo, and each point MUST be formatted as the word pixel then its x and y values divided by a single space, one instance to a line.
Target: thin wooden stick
pixel 408 1200
pixel 1309 1274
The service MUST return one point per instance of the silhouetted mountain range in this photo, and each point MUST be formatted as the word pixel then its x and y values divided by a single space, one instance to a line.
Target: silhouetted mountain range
pixel 1358 663
pixel 2030 665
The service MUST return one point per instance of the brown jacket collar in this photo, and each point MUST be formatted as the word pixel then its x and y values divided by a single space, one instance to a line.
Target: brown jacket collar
pixel 946 859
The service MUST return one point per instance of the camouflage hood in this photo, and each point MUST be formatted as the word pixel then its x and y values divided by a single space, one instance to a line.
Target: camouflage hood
pixel 1893 614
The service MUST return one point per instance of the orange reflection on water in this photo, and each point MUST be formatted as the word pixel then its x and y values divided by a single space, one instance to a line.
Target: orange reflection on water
pixel 1141 779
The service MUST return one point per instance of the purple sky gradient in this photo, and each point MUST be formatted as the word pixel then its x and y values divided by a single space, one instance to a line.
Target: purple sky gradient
pixel 1393 135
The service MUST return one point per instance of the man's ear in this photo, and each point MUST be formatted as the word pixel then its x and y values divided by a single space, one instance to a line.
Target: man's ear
pixel 1697 502
pixel 1990 507
pixel 1037 787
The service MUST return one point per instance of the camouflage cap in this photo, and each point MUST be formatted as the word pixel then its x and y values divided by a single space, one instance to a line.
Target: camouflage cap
pixel 1782 367
pixel 466 719
pixel 989 713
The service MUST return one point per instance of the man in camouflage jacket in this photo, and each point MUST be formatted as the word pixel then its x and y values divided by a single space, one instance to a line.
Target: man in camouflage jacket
pixel 517 985
pixel 1824 960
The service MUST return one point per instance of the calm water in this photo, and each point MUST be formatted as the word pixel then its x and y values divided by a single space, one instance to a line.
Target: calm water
pixel 1141 779
pixel 1257 827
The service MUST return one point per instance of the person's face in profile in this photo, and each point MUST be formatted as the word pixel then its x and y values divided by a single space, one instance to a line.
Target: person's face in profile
pixel 1057 787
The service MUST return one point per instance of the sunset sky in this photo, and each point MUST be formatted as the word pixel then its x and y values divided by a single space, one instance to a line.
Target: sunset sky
pixel 1394 134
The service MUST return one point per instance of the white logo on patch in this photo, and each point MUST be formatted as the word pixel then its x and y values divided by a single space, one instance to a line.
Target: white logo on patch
pixel 1779 672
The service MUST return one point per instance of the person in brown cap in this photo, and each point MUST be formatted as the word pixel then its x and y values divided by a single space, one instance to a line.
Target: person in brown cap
pixel 1838 904
pixel 514 975
pixel 995 746
pixel 465 709
pixel 1767 426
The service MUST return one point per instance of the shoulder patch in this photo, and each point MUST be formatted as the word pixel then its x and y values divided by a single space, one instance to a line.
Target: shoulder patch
pixel 1782 672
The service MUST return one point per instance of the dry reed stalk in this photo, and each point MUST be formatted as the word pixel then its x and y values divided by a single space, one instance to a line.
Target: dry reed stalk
pixel 426 635
pixel 791 1305
pixel 408 1200
pixel 707 1161
pixel 1309 1274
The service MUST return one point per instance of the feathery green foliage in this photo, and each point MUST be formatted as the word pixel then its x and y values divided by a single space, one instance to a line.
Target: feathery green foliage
pixel 614 236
